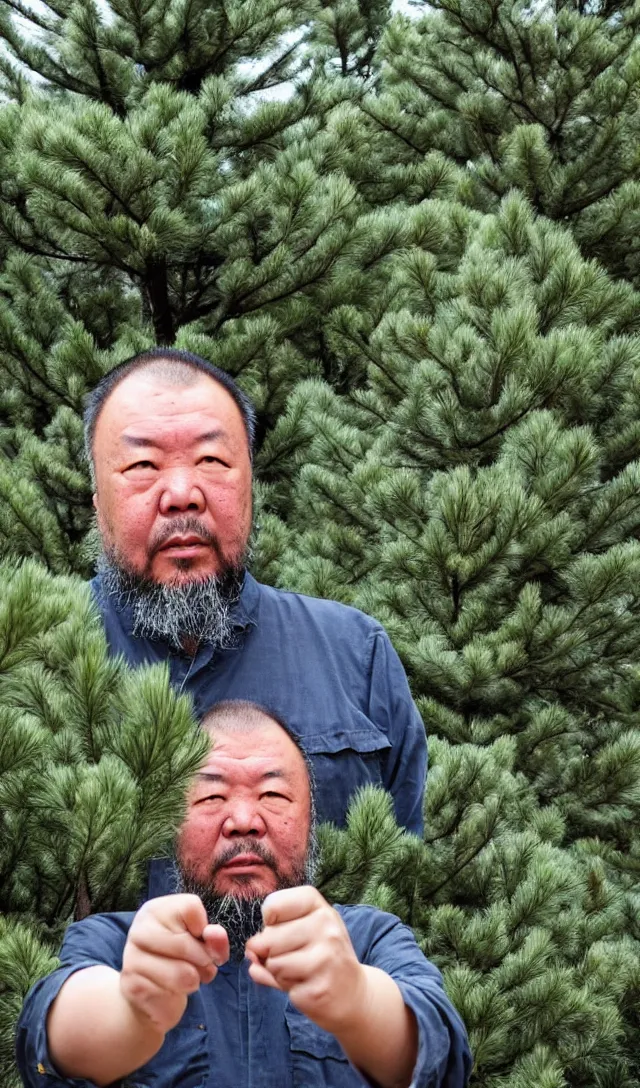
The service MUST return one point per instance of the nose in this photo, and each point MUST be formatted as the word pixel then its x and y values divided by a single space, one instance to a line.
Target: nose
pixel 181 493
pixel 243 820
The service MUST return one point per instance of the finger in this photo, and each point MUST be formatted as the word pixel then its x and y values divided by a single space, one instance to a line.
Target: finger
pixel 260 975
pixel 275 940
pixel 304 995
pixel 160 941
pixel 176 976
pixel 295 968
pixel 290 903
pixel 190 910
pixel 216 943
pixel 144 993
pixel 176 912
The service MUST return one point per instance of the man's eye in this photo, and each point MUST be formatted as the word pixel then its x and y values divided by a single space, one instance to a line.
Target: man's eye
pixel 210 797
pixel 140 464
pixel 273 794
pixel 209 459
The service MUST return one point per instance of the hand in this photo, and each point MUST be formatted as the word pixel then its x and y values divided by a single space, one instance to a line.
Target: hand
pixel 306 951
pixel 171 949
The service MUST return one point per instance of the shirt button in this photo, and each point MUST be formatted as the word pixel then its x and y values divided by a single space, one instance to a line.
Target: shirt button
pixel 201 1027
pixel 41 1069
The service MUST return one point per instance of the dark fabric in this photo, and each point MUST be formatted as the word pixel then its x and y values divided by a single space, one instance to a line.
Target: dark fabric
pixel 327 670
pixel 236 1034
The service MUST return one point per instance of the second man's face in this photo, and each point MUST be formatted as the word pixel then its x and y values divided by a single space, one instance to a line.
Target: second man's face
pixel 173 479
pixel 247 827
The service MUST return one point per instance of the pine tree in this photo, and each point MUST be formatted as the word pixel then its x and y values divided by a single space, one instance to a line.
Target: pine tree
pixel 542 97
pixel 151 194
pixel 344 35
pixel 449 435
pixel 94 765
pixel 479 494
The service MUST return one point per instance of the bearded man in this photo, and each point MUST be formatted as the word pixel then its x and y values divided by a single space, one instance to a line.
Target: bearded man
pixel 171 439
pixel 166 998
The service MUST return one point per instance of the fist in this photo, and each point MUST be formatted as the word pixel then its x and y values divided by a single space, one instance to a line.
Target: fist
pixel 305 950
pixel 171 949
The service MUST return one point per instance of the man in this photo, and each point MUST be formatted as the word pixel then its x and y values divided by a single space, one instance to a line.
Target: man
pixel 325 996
pixel 171 438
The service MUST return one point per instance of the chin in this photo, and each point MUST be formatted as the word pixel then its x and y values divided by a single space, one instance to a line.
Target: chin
pixel 183 572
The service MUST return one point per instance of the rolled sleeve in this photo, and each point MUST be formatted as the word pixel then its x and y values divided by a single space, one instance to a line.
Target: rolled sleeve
pixel 97 941
pixel 382 940
pixel 32 1050
pixel 444 1059
pixel 392 708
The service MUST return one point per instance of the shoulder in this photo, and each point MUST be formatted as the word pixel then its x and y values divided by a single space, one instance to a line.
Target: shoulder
pixel 369 924
pixel 100 937
pixel 317 611
pixel 383 940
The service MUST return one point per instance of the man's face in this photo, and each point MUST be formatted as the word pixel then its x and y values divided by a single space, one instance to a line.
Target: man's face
pixel 247 828
pixel 173 478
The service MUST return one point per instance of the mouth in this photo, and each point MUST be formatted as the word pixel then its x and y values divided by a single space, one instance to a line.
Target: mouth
pixel 243 863
pixel 181 547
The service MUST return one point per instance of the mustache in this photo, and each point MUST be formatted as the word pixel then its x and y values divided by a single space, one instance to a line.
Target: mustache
pixel 183 526
pixel 248 846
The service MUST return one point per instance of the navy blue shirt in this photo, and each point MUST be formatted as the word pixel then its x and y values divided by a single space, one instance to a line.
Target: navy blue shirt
pixel 237 1034
pixel 327 670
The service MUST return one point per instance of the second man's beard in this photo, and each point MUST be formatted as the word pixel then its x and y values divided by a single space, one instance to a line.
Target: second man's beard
pixel 178 613
pixel 241 914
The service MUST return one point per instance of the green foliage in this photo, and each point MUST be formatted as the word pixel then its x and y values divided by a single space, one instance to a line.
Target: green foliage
pixel 150 193
pixel 94 765
pixel 414 241
pixel 532 943
pixel 344 35
pixel 541 97
pixel 479 495
pixel 23 959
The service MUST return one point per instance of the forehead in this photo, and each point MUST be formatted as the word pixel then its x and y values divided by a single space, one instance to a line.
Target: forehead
pixel 248 756
pixel 150 402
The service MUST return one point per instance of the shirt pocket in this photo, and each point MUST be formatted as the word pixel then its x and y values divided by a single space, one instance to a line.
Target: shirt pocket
pixel 317 1059
pixel 343 760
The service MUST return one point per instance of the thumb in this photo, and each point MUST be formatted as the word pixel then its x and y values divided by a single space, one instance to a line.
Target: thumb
pixel 190 914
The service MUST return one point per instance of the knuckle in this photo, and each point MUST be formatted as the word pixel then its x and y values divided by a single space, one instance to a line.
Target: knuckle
pixel 135 987
pixel 186 948
pixel 189 977
pixel 320 991
pixel 273 966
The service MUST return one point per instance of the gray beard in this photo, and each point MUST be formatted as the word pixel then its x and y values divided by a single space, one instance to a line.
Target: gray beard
pixel 179 614
pixel 241 915
pixel 241 918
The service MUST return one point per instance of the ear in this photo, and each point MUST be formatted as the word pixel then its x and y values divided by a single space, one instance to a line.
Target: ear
pixel 94 500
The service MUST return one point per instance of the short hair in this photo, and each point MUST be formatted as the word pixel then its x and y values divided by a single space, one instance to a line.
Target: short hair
pixel 181 360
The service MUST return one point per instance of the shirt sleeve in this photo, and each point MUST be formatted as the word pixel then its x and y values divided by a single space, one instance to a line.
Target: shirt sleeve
pixel 444 1058
pixel 392 708
pixel 96 941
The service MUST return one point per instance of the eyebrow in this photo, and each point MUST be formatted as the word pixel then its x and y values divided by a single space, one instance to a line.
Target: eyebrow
pixel 206 776
pixel 139 441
